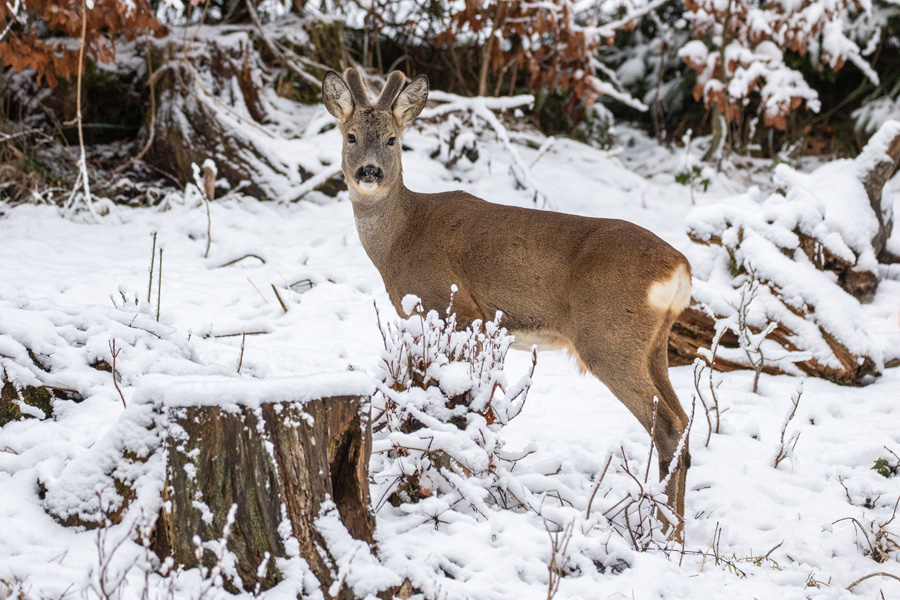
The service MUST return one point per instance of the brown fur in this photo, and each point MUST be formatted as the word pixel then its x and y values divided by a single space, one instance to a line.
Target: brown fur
pixel 563 281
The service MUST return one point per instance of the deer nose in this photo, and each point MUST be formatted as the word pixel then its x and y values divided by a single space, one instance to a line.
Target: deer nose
pixel 370 174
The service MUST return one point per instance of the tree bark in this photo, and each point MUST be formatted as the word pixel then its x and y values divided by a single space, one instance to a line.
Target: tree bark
pixel 874 183
pixel 277 462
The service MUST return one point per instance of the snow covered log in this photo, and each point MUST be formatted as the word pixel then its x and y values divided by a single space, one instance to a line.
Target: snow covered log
pixel 29 402
pixel 695 332
pixel 779 281
pixel 279 452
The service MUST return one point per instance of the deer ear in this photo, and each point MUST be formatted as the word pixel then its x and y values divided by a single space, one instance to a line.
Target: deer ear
pixel 411 100
pixel 336 96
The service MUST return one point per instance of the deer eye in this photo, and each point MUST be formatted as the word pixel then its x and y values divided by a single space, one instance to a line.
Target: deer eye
pixel 391 141
pixel 351 138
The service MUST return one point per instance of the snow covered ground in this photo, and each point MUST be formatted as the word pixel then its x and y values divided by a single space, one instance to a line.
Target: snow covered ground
pixel 70 286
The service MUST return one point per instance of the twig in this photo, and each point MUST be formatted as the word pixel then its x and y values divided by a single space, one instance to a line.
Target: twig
pixel 557 553
pixel 185 43
pixel 82 161
pixel 243 334
pixel 8 137
pixel 115 353
pixel 860 527
pixel 57 388
pixel 518 168
pixel 152 259
pixel 152 127
pixel 893 514
pixel 783 451
pixel 257 291
pixel 159 285
pixel 11 10
pixel 542 150
pixel 214 104
pixel 869 576
pixel 316 181
pixel 698 372
pixel 776 547
pixel 279 55
pixel 652 437
pixel 308 283
pixel 237 260
pixel 277 295
pixel 206 201
pixel 597 487
pixel 241 359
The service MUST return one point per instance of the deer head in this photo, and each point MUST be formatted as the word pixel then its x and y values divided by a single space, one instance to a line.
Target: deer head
pixel 371 151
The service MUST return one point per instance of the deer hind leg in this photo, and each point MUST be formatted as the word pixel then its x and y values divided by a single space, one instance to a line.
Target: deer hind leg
pixel 669 439
pixel 635 377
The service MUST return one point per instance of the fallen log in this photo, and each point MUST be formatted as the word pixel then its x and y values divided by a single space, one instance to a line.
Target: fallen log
pixel 813 248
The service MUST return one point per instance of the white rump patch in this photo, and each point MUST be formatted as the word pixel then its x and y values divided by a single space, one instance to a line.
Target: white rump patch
pixel 672 294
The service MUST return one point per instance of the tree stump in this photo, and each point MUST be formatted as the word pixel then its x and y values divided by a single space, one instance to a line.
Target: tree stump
pixel 276 450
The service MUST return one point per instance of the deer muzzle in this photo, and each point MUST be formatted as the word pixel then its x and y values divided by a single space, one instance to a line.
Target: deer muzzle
pixel 369 177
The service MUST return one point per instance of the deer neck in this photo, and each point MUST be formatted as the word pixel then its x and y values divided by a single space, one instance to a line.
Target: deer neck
pixel 380 218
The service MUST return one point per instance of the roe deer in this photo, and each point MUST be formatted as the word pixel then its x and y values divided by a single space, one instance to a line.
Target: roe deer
pixel 606 290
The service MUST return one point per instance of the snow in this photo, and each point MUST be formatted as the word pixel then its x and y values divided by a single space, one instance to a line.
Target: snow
pixel 70 288
pixel 695 52
pixel 228 393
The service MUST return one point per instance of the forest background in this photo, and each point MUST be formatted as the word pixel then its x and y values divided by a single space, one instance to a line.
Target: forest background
pixel 802 78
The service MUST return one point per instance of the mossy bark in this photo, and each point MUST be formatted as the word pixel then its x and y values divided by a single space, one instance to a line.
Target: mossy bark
pixel 38 397
pixel 281 461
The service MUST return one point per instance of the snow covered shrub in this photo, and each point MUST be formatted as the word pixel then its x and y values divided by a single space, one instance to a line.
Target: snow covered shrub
pixel 14 589
pixel 750 339
pixel 879 25
pixel 546 48
pixel 598 128
pixel 887 467
pixel 125 563
pixel 738 53
pixel 458 141
pixel 885 544
pixel 443 400
pixel 875 539
pixel 36 34
pixel 466 119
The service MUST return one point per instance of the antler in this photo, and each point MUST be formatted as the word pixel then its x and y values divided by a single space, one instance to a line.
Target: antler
pixel 391 88
pixel 357 88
